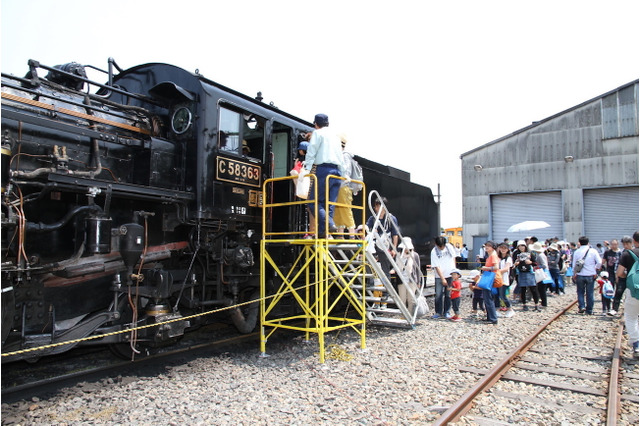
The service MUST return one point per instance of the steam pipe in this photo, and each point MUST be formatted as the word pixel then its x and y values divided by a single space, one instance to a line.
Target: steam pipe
pixel 44 227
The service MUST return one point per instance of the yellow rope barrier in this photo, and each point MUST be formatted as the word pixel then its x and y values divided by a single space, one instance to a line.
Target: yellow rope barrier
pixel 142 327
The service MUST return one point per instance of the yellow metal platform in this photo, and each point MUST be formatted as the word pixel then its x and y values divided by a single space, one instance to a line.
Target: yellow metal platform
pixel 317 283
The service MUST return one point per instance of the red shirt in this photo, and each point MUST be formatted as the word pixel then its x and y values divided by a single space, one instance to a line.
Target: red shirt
pixel 456 287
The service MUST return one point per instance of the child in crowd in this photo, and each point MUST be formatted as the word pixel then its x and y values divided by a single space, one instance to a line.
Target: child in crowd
pixel 456 289
pixel 606 291
pixel 477 301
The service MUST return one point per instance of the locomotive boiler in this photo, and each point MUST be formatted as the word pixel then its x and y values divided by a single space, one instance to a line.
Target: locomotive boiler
pixel 133 203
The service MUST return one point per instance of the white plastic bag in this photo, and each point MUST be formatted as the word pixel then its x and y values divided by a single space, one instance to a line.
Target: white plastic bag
pixel 304 183
pixel 422 308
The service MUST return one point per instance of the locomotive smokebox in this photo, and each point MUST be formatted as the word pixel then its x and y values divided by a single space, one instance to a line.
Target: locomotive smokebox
pixel 131 243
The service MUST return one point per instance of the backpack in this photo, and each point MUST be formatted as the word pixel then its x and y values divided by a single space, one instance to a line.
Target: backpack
pixel 607 290
pixel 633 277
pixel 356 174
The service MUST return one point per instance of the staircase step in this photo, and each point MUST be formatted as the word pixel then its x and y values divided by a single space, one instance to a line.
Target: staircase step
pixel 352 274
pixel 354 261
pixel 345 246
pixel 374 299
pixel 391 322
pixel 388 311
pixel 370 288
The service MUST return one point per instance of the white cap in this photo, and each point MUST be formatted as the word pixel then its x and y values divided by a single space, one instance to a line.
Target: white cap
pixel 406 243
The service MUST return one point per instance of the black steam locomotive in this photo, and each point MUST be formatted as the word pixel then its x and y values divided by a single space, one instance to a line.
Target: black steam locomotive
pixel 137 202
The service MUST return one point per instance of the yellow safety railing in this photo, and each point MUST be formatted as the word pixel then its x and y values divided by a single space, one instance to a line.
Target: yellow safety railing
pixel 317 283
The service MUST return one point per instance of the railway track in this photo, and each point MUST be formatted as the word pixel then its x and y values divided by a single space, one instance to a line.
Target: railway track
pixel 558 370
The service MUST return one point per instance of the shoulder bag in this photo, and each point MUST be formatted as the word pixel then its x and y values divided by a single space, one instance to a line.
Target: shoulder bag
pixel 540 275
pixel 486 280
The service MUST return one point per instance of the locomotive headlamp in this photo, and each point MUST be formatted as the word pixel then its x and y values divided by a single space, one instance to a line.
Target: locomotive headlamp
pixel 181 120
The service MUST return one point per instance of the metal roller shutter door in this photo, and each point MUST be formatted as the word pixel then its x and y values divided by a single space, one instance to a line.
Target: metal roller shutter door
pixel 610 213
pixel 509 209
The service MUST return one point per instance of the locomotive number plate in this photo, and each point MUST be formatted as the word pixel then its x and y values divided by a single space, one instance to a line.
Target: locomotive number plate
pixel 229 170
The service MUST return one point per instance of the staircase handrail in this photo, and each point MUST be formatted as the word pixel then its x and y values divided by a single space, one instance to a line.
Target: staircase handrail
pixel 380 240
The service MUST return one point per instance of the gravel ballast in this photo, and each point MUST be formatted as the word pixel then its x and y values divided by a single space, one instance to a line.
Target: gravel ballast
pixel 403 377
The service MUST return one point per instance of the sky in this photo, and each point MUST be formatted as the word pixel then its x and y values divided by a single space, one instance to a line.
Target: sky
pixel 412 84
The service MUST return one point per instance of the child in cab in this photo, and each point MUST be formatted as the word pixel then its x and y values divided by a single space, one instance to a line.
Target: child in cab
pixel 456 289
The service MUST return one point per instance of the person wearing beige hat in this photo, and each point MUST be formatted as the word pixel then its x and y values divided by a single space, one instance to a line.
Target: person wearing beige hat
pixel 544 265
pixel 524 262
pixel 409 262
pixel 555 260
pixel 344 215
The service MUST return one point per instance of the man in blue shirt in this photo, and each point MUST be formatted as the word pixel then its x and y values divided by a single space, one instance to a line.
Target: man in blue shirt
pixel 324 158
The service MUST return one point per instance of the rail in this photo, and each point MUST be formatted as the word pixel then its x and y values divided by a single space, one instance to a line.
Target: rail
pixel 499 371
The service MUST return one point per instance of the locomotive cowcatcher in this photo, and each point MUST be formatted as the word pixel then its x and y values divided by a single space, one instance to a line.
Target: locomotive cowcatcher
pixel 132 203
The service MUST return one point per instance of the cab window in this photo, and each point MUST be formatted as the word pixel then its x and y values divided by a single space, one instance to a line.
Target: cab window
pixel 229 139
pixel 241 133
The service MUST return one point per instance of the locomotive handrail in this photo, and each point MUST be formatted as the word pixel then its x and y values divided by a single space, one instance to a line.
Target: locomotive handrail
pixel 97 98
pixel 72 113
pixel 33 64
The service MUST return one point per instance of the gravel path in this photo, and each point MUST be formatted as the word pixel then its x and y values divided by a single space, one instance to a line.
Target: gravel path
pixel 403 377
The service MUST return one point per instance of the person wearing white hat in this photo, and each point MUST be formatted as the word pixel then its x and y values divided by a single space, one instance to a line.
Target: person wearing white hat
pixel 555 260
pixel 606 291
pixel 541 258
pixel 344 215
pixel 524 262
pixel 409 262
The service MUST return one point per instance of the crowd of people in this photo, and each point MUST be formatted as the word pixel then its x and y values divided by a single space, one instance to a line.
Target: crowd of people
pixel 523 271
pixel 533 271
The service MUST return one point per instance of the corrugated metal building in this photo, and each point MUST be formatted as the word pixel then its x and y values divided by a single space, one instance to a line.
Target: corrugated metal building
pixel 576 170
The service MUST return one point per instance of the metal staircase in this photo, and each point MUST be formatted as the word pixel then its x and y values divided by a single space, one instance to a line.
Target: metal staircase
pixel 380 294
